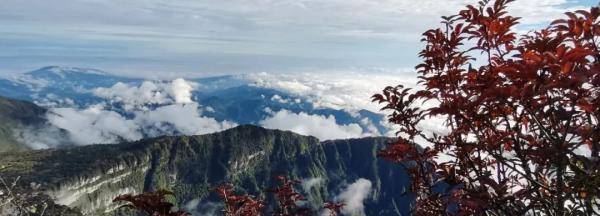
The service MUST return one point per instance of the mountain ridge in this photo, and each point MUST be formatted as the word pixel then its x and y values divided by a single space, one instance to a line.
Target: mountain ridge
pixel 61 70
pixel 89 177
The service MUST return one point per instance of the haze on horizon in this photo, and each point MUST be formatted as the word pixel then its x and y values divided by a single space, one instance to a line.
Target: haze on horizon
pixel 141 37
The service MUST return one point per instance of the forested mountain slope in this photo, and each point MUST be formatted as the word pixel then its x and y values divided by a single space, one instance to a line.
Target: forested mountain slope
pixel 89 177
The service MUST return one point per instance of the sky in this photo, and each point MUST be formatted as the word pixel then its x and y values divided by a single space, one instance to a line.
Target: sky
pixel 210 37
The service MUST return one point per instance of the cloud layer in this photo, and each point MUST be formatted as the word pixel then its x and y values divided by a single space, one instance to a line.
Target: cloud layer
pixel 347 89
pixel 154 108
pixel 322 127
pixel 177 91
pixel 214 35
pixel 94 125
pixel 150 109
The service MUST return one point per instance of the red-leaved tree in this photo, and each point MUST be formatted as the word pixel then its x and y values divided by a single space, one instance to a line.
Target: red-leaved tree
pixel 238 205
pixel 521 114
pixel 287 201
pixel 287 198
pixel 156 204
pixel 151 203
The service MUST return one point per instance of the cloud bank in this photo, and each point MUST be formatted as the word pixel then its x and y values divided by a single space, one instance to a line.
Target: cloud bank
pixel 178 119
pixel 47 136
pixel 322 127
pixel 348 90
pixel 131 96
pixel 153 108
pixel 94 125
pixel 150 109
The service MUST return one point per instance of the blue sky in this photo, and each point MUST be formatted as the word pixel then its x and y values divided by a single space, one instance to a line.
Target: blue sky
pixel 209 37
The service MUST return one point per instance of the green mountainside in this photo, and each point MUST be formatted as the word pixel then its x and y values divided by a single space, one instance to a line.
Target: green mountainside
pixel 89 177
pixel 14 116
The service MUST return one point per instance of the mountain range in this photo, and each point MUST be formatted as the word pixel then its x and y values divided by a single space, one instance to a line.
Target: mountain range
pixel 86 136
pixel 224 100
pixel 87 178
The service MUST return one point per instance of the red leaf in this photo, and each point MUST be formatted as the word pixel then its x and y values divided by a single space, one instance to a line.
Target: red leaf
pixel 566 68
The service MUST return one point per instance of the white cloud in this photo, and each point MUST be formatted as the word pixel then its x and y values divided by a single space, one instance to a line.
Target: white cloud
pixel 155 108
pixel 191 205
pixel 178 119
pixel 52 100
pixel 196 208
pixel 279 99
pixel 354 195
pixel 207 209
pixel 370 127
pixel 94 125
pixel 98 125
pixel 308 184
pixel 349 17
pixel 542 11
pixel 150 109
pixel 41 137
pixel 181 91
pixel 149 92
pixel 348 90
pixel 322 127
pixel 209 109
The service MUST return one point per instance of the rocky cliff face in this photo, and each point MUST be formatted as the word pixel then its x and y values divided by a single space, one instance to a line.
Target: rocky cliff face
pixel 89 177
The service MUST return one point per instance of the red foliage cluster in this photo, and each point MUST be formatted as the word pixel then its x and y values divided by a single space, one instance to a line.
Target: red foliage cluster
pixel 155 204
pixel 151 203
pixel 333 207
pixel 238 205
pixel 517 122
pixel 287 199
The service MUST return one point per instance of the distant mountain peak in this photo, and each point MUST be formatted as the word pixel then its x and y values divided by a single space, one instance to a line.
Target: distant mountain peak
pixel 250 131
pixel 62 71
pixel 245 127
pixel 66 79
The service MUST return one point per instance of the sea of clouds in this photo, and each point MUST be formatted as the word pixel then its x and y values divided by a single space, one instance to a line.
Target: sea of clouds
pixel 154 108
